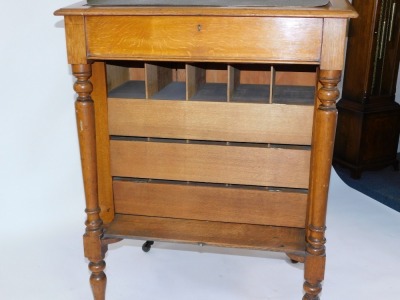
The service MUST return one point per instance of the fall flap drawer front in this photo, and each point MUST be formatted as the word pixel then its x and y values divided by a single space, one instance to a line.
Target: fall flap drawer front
pixel 204 38
pixel 198 162
pixel 195 120
pixel 211 202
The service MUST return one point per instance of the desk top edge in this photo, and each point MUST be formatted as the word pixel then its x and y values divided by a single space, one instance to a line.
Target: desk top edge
pixel 336 9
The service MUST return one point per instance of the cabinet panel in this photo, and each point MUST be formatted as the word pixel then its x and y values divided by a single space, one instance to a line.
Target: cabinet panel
pixel 381 145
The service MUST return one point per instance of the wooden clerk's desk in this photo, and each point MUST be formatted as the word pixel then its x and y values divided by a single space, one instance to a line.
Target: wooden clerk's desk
pixel 207 125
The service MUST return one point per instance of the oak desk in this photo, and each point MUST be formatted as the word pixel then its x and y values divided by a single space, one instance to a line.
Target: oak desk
pixel 209 125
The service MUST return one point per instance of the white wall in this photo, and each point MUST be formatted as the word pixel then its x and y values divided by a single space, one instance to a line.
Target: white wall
pixel 41 195
pixel 40 175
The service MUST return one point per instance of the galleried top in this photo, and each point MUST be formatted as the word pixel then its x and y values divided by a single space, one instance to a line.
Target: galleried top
pixel 215 3
pixel 237 8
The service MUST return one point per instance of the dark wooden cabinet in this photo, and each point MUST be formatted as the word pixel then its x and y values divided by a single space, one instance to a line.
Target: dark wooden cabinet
pixel 369 118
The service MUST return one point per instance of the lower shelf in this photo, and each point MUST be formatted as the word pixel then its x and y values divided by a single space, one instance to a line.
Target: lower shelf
pixel 273 238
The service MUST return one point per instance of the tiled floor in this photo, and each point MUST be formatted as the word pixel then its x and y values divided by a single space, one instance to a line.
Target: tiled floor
pixel 362 262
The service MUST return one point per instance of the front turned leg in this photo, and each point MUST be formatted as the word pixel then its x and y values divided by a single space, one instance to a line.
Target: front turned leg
pixel 94 248
pixel 321 161
pixel 98 279
pixel 314 267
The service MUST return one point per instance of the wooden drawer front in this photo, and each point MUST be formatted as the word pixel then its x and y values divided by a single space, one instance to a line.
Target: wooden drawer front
pixel 204 38
pixel 211 163
pixel 237 205
pixel 236 122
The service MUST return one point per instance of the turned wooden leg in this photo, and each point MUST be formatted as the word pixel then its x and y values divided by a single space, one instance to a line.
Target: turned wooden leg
pixel 98 279
pixel 94 248
pixel 312 291
pixel 321 160
pixel 314 268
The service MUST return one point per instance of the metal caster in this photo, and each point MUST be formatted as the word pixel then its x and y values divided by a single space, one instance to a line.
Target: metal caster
pixel 296 257
pixel 147 246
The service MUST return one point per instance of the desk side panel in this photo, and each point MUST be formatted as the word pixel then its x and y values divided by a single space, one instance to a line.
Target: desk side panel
pixel 99 96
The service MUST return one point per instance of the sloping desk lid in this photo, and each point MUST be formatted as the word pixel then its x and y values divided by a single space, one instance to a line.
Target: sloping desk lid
pixel 215 3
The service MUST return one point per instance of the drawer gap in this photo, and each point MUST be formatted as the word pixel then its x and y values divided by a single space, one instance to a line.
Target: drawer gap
pixel 249 83
pixel 293 84
pixel 165 81
pixel 126 79
pixel 131 89
pixel 212 184
pixel 205 142
pixel 207 82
